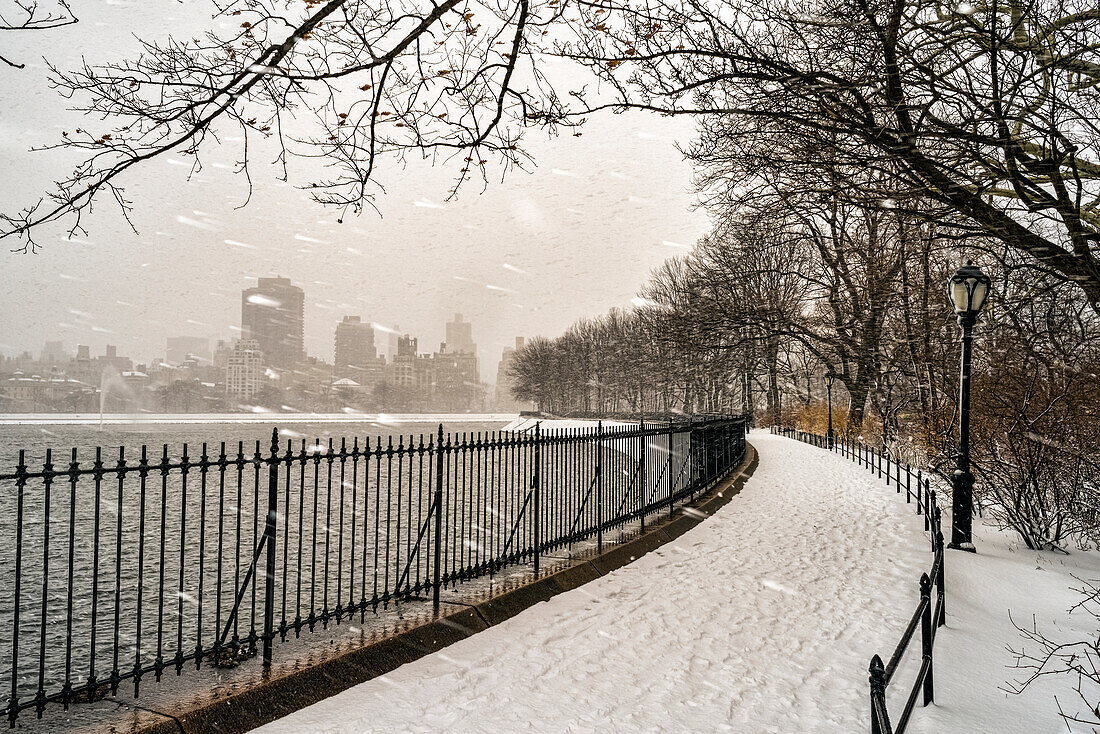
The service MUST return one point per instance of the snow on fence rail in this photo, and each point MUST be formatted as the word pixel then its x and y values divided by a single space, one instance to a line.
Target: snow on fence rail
pixel 121 569
pixel 927 617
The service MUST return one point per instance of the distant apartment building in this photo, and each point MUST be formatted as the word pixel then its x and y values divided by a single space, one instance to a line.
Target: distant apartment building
pixel 408 367
pixel 356 357
pixel 459 336
pixel 181 348
pixel 111 358
pixel 455 383
pixel 273 315
pixel 503 397
pixel 244 371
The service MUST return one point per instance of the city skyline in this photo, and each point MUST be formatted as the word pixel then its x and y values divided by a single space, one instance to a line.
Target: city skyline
pixel 460 331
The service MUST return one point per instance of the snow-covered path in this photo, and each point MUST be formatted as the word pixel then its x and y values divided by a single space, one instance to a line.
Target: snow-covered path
pixel 760 619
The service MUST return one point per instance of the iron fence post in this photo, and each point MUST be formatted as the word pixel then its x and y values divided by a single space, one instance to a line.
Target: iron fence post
pixel 437 501
pixel 641 471
pixel 20 484
pixel 878 696
pixel 691 455
pixel 926 634
pixel 535 495
pixel 599 485
pixel 671 493
pixel 940 584
pixel 922 498
pixel 269 532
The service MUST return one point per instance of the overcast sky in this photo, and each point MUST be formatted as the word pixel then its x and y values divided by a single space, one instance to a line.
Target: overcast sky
pixel 574 237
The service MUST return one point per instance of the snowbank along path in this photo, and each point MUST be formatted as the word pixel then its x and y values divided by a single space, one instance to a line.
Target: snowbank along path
pixel 761 619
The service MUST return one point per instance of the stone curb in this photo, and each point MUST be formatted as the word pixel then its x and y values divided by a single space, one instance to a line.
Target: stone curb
pixel 272 699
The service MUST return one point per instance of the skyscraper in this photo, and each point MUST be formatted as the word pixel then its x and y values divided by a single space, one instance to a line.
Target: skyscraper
pixel 460 336
pixel 505 381
pixel 355 352
pixel 273 314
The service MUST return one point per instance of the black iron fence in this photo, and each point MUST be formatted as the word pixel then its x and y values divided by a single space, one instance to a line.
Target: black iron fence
pixel 124 567
pixel 926 616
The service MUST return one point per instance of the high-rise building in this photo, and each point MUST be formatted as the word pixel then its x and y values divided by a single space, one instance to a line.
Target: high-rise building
pixel 460 336
pixel 53 353
pixel 273 315
pixel 244 372
pixel 505 381
pixel 355 349
pixel 179 348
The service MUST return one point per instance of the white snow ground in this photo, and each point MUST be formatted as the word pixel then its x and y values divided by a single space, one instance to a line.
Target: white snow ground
pixel 761 619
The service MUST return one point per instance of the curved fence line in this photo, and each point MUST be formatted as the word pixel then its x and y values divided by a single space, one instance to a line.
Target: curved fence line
pixel 127 567
pixel 928 617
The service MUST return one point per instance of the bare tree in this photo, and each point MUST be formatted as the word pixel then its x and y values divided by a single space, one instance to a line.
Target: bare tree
pixel 28 15
pixel 988 109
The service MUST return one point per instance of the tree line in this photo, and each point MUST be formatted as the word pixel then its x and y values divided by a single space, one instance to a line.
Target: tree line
pixel 824 267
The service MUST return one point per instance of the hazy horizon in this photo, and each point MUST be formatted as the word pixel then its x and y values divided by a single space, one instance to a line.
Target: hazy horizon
pixel 529 255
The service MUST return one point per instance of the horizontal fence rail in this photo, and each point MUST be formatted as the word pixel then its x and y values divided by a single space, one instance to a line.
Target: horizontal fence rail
pixel 928 616
pixel 130 565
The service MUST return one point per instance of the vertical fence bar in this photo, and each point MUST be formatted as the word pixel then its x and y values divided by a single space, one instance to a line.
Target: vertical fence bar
pixel 641 471
pixel 269 538
pixel 921 498
pixel 940 583
pixel 97 475
pixel 599 486
pixel 67 690
pixel 204 467
pixel 20 484
pixel 438 507
pixel 535 498
pixel 668 471
pixel 158 663
pixel 926 635
pixel 47 481
pixel 184 467
pixel 121 468
pixel 340 530
pixel 143 474
pixel 878 696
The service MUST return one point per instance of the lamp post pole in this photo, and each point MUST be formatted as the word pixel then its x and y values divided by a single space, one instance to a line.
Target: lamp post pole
pixel 967 289
pixel 829 389
pixel 962 480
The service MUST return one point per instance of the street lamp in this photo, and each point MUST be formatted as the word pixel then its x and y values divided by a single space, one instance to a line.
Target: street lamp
pixel 967 290
pixel 829 377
